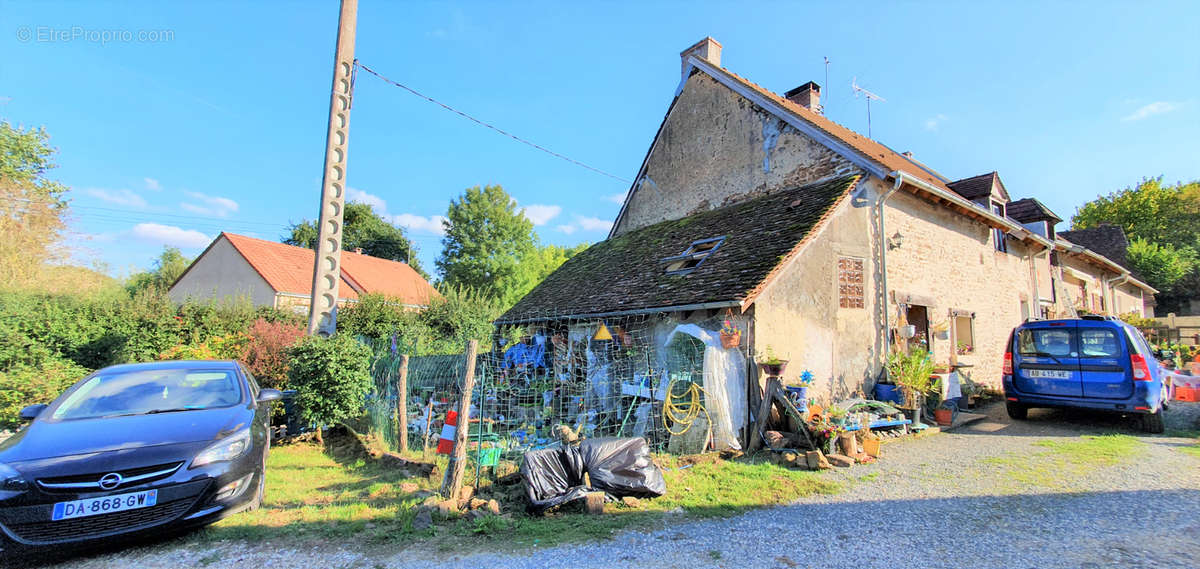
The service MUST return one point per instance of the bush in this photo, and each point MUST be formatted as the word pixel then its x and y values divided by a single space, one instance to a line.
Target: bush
pixel 25 384
pixel 266 353
pixel 442 328
pixel 332 377
pixel 228 347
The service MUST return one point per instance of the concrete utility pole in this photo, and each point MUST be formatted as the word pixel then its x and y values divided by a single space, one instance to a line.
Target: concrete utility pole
pixel 327 268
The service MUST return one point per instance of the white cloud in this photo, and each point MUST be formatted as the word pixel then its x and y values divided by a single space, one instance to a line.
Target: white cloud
pixel 127 198
pixel 618 199
pixel 431 224
pixel 170 235
pixel 1155 108
pixel 568 229
pixel 152 184
pixel 541 214
pixel 934 122
pixel 377 203
pixel 214 206
pixel 593 223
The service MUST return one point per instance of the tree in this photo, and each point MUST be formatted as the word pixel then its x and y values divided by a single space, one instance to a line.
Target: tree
pixel 33 208
pixel 538 264
pixel 363 228
pixel 1162 265
pixel 168 267
pixel 487 239
pixel 1166 215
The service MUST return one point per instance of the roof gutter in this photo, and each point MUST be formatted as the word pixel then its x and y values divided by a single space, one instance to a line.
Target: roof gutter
pixel 632 312
pixel 1012 227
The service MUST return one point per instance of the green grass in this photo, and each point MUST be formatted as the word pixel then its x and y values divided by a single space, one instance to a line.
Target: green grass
pixel 1065 461
pixel 1192 449
pixel 312 496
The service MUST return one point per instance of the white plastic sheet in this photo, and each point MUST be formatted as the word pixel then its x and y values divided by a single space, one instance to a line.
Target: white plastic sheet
pixel 724 382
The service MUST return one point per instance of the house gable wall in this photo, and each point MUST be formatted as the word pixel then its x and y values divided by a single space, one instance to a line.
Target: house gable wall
pixel 222 272
pixel 716 148
pixel 798 315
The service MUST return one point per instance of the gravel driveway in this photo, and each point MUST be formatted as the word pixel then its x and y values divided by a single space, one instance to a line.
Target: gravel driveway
pixel 986 495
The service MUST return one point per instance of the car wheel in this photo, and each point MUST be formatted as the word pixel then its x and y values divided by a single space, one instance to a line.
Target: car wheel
pixel 1016 410
pixel 1153 422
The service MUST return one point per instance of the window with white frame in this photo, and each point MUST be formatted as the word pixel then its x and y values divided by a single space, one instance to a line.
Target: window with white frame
pixel 998 234
pixel 964 332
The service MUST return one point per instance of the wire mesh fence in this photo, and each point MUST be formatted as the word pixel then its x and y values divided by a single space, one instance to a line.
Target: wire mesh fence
pixel 677 379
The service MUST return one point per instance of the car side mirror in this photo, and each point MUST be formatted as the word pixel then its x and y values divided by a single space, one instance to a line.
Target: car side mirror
pixel 268 395
pixel 31 412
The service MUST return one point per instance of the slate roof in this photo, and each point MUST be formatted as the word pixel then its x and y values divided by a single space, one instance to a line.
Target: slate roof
pixel 1029 210
pixel 289 269
pixel 1107 240
pixel 979 186
pixel 625 273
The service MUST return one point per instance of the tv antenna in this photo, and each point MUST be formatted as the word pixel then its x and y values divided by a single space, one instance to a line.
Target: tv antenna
pixel 826 77
pixel 869 95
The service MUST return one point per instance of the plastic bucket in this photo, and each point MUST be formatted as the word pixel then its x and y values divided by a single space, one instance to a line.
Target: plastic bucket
pixel 888 392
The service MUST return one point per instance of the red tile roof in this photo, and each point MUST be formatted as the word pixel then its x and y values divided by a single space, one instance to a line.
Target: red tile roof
pixel 289 269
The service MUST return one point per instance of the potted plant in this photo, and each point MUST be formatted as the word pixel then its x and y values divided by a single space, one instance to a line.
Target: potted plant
pixel 799 391
pixel 870 441
pixel 770 364
pixel 837 415
pixel 731 337
pixel 913 372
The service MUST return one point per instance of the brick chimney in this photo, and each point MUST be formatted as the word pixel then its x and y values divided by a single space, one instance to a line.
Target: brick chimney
pixel 707 49
pixel 807 95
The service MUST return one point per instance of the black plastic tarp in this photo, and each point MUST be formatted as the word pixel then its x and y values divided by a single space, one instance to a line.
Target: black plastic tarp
pixel 620 467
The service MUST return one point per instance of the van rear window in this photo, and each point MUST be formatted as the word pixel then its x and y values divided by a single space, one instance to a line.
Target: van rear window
pixel 1099 343
pixel 1045 342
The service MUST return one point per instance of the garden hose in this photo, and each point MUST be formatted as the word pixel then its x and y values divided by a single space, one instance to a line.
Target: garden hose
pixel 683 413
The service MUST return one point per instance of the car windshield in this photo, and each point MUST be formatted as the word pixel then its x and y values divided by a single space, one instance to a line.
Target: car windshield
pixel 1045 342
pixel 144 392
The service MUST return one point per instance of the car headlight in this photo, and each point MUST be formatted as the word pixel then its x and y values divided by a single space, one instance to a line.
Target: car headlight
pixel 224 450
pixel 11 482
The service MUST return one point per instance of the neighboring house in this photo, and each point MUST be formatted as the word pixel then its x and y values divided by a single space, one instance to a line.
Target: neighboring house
pixel 278 275
pixel 1123 290
pixel 826 247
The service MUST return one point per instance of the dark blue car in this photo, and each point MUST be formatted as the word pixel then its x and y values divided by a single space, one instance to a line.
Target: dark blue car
pixel 1092 362
pixel 135 449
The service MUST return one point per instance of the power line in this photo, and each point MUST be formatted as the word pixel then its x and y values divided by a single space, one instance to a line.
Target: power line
pixel 488 125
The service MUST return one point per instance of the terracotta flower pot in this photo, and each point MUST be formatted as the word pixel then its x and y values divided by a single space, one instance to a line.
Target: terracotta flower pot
pixel 731 340
pixel 944 417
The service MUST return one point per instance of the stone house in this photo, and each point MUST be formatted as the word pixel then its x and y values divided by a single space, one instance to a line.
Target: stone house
pixel 821 245
pixel 280 276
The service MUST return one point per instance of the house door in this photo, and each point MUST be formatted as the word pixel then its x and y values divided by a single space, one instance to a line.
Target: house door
pixel 918 317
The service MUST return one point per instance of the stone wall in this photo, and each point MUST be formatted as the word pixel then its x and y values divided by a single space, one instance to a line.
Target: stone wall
pixel 799 316
pixel 950 261
pixel 717 148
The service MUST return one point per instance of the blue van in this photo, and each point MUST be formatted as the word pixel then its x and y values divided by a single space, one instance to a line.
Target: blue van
pixel 1094 362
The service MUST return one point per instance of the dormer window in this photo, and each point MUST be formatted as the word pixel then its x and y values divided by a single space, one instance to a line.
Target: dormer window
pixel 693 257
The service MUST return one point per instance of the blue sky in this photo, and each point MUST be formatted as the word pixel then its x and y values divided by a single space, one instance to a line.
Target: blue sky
pixel 216 119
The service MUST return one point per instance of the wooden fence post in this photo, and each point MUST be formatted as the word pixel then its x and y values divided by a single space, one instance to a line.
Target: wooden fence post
pixel 458 458
pixel 402 403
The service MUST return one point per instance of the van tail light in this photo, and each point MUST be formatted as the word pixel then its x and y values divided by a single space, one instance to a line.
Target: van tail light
pixel 1141 371
pixel 1008 363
